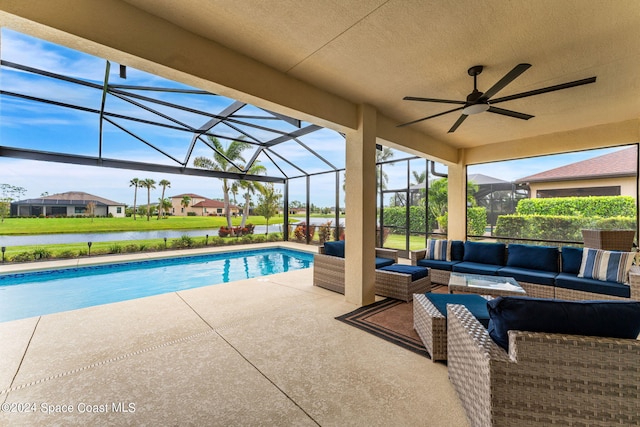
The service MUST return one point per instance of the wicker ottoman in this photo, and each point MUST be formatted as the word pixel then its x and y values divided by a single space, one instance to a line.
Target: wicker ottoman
pixel 431 323
pixel 401 281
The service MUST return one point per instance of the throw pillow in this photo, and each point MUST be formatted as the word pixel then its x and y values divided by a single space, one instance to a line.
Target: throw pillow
pixel 438 250
pixel 611 266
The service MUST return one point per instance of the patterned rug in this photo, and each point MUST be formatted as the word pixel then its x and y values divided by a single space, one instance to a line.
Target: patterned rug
pixel 389 319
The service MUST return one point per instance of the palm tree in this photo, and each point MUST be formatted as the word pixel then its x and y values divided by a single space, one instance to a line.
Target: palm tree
pixel 149 184
pixel 164 205
pixel 164 184
pixel 221 162
pixel 418 194
pixel 381 156
pixel 135 183
pixel 185 201
pixel 250 188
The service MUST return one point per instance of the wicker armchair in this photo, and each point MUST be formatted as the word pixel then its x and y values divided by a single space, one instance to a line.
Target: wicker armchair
pixel 545 379
pixel 328 271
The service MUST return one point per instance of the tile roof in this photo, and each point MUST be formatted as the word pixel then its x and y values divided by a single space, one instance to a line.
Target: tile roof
pixel 208 203
pixel 71 197
pixel 192 195
pixel 619 163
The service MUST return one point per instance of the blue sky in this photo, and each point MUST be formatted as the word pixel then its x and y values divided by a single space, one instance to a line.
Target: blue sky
pixel 33 125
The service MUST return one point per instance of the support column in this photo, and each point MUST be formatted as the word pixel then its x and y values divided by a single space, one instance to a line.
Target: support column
pixel 457 201
pixel 360 206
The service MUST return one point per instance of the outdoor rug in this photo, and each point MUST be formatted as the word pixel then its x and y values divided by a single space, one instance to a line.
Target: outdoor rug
pixel 389 319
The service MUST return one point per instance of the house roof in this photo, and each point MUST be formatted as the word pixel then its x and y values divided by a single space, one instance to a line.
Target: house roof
pixel 70 198
pixel 481 179
pixel 616 164
pixel 192 195
pixel 209 203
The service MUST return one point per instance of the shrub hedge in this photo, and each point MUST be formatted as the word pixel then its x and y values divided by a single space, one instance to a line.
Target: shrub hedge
pixel 563 218
pixel 556 227
pixel 395 217
pixel 601 206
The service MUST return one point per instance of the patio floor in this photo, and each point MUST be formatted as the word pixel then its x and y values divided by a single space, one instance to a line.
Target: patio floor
pixel 262 351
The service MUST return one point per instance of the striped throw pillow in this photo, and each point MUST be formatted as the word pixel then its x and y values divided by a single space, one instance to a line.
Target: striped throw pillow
pixel 606 265
pixel 438 250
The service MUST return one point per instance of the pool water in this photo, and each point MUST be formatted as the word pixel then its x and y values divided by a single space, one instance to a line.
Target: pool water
pixel 43 292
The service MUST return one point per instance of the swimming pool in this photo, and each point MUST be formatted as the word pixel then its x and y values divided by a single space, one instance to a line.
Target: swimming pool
pixel 43 292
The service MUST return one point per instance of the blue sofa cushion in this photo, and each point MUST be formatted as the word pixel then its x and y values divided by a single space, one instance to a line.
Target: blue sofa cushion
pixel 484 253
pixel 334 248
pixel 474 303
pixel 616 319
pixel 528 275
pixel 571 259
pixel 457 250
pixel 612 266
pixel 416 272
pixel 438 265
pixel 476 268
pixel 383 262
pixel 438 250
pixel 571 281
pixel 544 258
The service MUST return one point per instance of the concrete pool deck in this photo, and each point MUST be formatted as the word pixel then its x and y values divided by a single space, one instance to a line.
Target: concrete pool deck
pixel 263 351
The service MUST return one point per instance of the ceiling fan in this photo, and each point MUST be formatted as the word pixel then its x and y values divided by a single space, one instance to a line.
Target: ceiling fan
pixel 479 102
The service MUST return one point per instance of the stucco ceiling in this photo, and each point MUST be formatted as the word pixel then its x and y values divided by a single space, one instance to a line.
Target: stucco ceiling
pixel 377 52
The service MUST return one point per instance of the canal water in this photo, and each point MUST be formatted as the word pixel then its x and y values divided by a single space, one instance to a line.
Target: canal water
pixel 52 239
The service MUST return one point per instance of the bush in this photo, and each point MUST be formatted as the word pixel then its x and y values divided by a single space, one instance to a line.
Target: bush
pixel 556 227
pixel 132 248
pixel 274 237
pixel 191 214
pixel 216 241
pixel 324 232
pixel 182 243
pixel 66 254
pixel 115 249
pixel 41 253
pixel 259 238
pixel 22 257
pixel 301 230
pixel 476 221
pixel 600 206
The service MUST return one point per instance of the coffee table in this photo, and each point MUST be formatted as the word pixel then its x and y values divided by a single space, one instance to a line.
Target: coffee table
pixel 484 285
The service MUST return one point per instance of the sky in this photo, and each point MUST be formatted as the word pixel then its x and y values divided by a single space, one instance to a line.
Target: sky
pixel 34 125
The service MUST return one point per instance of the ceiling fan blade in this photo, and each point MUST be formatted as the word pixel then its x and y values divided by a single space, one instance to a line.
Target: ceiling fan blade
pixel 508 78
pixel 429 117
pixel 545 90
pixel 458 123
pixel 510 113
pixel 444 101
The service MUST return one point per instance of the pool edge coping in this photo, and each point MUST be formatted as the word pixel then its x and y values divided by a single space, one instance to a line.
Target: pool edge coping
pixel 145 256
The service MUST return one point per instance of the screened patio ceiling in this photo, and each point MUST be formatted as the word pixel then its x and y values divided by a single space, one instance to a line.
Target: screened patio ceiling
pixel 104 114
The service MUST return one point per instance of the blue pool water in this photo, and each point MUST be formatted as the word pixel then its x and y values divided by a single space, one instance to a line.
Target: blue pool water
pixel 44 292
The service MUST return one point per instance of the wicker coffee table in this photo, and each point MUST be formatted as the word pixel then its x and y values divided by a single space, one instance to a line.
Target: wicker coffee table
pixel 484 285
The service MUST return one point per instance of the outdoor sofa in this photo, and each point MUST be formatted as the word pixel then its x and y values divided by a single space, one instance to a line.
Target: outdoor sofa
pixel 542 271
pixel 565 362
pixel 391 279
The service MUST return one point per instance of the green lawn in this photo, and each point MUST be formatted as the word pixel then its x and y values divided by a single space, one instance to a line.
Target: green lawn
pixel 397 241
pixel 24 226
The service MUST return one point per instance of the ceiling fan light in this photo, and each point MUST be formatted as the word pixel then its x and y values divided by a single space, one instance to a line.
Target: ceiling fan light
pixel 475 109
